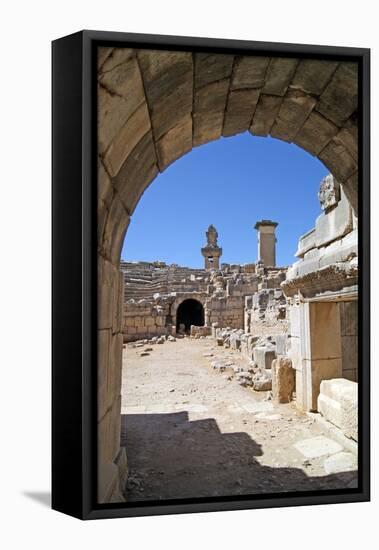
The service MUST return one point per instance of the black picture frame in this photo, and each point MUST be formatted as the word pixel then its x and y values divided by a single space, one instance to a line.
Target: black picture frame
pixel 74 291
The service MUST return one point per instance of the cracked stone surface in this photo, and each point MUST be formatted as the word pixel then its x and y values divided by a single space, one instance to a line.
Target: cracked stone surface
pixel 189 431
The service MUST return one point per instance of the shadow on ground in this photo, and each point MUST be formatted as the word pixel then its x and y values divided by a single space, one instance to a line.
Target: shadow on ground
pixel 42 497
pixel 171 457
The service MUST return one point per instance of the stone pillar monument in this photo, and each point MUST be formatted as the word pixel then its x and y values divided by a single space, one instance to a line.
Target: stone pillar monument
pixel 212 251
pixel 266 242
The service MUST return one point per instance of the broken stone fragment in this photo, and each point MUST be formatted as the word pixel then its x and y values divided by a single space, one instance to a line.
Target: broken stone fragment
pixel 338 403
pixel 283 379
pixel 262 384
pixel 244 378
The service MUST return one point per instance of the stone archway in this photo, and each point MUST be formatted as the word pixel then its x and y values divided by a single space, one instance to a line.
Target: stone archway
pixel 190 312
pixel 196 296
pixel 153 107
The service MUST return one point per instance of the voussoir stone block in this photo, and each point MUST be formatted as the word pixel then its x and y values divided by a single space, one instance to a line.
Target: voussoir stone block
pixel 312 75
pixel 175 143
pixel 315 133
pixel 338 160
pixel 239 111
pixel 102 55
pixel 118 98
pixel 115 229
pixel 115 58
pixel 340 97
pixel 279 74
pixel 168 82
pixel 348 137
pixel 293 112
pixel 249 72
pixel 104 184
pixel 265 114
pixel 137 172
pixel 137 125
pixel 212 67
pixel 209 108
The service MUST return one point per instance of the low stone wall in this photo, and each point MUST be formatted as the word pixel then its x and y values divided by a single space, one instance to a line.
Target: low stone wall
pixel 145 320
pixel 260 349
pixel 154 291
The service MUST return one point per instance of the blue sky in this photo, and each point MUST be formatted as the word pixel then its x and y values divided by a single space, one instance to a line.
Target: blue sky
pixel 231 183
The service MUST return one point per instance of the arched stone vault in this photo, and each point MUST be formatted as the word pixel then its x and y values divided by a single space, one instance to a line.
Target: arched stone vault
pixel 182 298
pixel 153 107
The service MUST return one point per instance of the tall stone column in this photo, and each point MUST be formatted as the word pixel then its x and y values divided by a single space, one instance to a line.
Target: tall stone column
pixel 266 242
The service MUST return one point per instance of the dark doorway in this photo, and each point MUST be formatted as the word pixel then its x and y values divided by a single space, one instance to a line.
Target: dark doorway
pixel 190 312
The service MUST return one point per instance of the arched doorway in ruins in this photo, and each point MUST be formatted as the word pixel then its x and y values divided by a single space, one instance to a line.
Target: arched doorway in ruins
pixel 154 107
pixel 190 312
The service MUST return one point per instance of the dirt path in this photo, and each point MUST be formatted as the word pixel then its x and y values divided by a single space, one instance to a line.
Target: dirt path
pixel 190 432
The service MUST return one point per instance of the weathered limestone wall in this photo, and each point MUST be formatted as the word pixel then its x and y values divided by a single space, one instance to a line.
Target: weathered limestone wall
pixel 322 345
pixel 349 339
pixel 321 290
pixel 145 320
pixel 264 305
pixel 153 291
pixel 225 311
pixel 112 469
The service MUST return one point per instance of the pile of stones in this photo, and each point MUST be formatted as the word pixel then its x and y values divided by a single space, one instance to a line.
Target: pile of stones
pixel 258 378
pixel 268 369
pixel 154 340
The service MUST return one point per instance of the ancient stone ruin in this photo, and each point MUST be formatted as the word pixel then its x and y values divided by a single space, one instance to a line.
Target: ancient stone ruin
pixel 154 106
pixel 296 326
pixel 165 299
